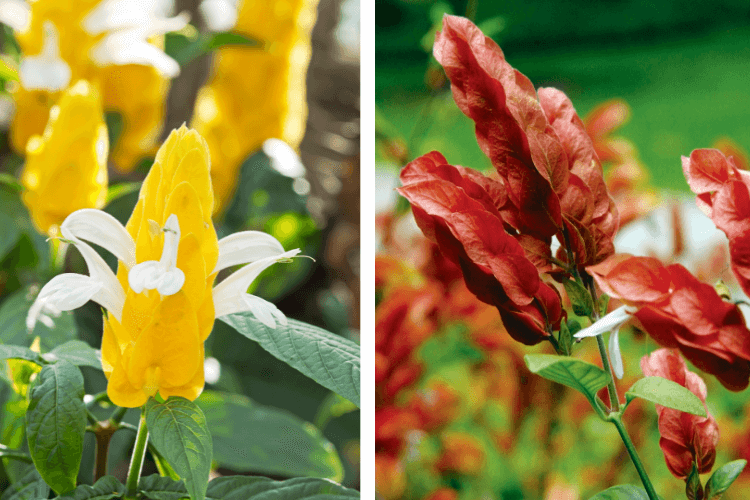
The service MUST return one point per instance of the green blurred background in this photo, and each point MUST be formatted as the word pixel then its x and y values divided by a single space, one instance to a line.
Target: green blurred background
pixel 682 66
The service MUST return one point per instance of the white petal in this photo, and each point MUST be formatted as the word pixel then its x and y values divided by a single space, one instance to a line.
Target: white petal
pixel 171 242
pixel 102 229
pixel 266 312
pixel 171 282
pixel 284 159
pixel 615 356
pixel 220 15
pixel 140 275
pixel 16 14
pixel 111 295
pixel 237 283
pixel 126 47
pixel 613 320
pixel 245 247
pixel 113 15
pixel 47 71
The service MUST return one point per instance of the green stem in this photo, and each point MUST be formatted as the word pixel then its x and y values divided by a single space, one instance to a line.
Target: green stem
pixel 611 389
pixel 617 420
pixel 118 415
pixel 136 462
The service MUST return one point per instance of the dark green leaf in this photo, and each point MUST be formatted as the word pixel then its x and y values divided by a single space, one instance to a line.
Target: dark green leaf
pixel 9 180
pixel 579 298
pixel 30 487
pixel 261 488
pixel 56 423
pixel 105 488
pixel 723 478
pixel 13 312
pixel 20 352
pixel 329 359
pixel 666 393
pixel 565 339
pixel 622 492
pixel 574 326
pixel 12 218
pixel 185 49
pixel 76 352
pixel 580 375
pixel 603 304
pixel 120 190
pixel 178 430
pixel 248 437
pixel 693 486
pixel 6 452
pixel 156 487
pixel 115 124
pixel 218 40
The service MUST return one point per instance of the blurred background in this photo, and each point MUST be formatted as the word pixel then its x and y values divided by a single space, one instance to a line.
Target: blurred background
pixel 265 417
pixel 458 416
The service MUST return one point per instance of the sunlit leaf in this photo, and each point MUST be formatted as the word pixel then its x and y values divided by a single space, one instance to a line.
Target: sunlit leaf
pixel 248 437
pixel 178 429
pixel 55 424
pixel 76 352
pixel 666 393
pixel 579 375
pixel 329 359
pixel 723 478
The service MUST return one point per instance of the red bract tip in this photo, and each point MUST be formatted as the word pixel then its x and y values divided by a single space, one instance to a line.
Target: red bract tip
pixel 678 311
pixel 685 438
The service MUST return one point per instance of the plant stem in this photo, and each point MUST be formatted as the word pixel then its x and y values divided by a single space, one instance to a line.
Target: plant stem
pixel 103 433
pixel 136 462
pixel 617 420
pixel 611 389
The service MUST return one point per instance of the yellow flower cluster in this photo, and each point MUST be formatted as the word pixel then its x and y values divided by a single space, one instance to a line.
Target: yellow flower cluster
pixel 256 94
pixel 66 41
pixel 158 344
pixel 69 158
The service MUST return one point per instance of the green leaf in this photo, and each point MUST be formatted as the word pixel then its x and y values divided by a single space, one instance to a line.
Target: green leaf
pixel 228 38
pixel 13 312
pixel 565 339
pixel 261 488
pixel 179 431
pixel 580 375
pixel 579 298
pixel 105 488
pixel 603 304
pixel 120 190
pixel 332 407
pixel 30 486
pixel 56 423
pixel 7 452
pixel 76 352
pixel 248 437
pixel 10 181
pixel 666 393
pixel 722 478
pixel 693 487
pixel 622 492
pixel 20 352
pixel 329 359
pixel 8 70
pixel 185 49
pixel 156 487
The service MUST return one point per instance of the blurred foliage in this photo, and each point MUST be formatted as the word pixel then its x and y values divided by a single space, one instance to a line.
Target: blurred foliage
pixel 679 65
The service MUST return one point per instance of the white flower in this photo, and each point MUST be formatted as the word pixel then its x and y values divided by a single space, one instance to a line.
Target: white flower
pixel 611 323
pixel 69 291
pixel 46 71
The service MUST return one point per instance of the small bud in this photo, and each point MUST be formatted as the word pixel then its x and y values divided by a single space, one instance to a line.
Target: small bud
pixel 723 290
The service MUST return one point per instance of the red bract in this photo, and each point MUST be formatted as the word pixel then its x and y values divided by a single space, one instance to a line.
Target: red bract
pixel 678 311
pixel 456 208
pixel 724 194
pixel 685 438
pixel 549 174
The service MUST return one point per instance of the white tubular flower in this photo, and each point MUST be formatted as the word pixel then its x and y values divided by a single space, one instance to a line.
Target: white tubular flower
pixel 16 14
pixel 220 15
pixel 162 275
pixel 46 71
pixel 69 291
pixel 230 296
pixel 127 25
pixel 611 323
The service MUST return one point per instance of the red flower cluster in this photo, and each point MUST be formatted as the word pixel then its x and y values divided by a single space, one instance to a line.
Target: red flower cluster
pixel 724 194
pixel 679 311
pixel 685 438
pixel 548 181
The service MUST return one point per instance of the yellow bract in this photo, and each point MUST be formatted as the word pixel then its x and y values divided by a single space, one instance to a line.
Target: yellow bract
pixel 136 92
pixel 66 167
pixel 256 94
pixel 158 346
